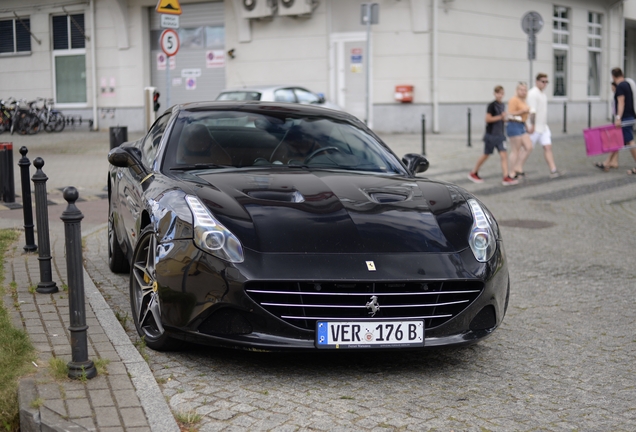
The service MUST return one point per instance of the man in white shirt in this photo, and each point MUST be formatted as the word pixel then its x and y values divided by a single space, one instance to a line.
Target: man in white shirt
pixel 538 129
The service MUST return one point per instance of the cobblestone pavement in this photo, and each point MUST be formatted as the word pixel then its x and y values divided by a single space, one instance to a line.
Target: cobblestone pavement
pixel 562 360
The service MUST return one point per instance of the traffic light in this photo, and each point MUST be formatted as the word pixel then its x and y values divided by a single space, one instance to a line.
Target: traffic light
pixel 155 101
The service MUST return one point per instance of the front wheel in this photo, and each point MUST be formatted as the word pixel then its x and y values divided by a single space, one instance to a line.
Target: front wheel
pixel 144 294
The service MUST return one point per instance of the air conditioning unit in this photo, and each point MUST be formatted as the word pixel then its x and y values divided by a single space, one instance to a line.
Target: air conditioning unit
pixel 297 7
pixel 258 8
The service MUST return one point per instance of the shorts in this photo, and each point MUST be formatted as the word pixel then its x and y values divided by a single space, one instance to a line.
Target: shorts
pixel 492 142
pixel 628 132
pixel 545 137
pixel 514 129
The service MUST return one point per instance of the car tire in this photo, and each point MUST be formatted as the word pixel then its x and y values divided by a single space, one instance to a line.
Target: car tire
pixel 116 258
pixel 144 295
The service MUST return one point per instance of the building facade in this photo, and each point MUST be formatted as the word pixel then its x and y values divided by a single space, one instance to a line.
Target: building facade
pixel 95 57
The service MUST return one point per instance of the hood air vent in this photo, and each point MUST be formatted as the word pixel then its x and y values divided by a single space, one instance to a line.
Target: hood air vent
pixel 279 196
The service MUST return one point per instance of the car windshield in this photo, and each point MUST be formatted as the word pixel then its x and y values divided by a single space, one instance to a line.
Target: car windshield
pixel 239 96
pixel 238 139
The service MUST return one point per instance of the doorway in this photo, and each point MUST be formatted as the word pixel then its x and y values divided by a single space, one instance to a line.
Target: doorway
pixel 348 59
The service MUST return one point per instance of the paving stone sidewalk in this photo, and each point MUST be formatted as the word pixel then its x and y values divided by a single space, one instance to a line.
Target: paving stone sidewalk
pixel 124 397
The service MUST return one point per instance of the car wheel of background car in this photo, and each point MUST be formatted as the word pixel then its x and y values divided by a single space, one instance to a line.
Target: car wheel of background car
pixel 116 258
pixel 144 294
pixel 319 151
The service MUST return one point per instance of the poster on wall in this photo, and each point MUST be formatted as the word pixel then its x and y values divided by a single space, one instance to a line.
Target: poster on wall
pixel 177 82
pixel 215 58
pixel 162 59
pixel 107 89
pixel 191 83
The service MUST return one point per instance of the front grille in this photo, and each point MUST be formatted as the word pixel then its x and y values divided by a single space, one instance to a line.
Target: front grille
pixel 303 303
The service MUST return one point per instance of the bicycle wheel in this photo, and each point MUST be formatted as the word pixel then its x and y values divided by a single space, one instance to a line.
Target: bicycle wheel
pixel 58 121
pixel 33 124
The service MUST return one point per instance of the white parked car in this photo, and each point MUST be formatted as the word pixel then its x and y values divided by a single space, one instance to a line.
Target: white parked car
pixel 293 94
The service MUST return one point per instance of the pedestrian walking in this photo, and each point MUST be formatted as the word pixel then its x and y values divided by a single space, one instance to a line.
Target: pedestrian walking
pixel 624 106
pixel 539 130
pixel 520 144
pixel 494 138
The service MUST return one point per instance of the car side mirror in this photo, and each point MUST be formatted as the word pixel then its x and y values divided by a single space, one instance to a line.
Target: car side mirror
pixel 415 163
pixel 126 157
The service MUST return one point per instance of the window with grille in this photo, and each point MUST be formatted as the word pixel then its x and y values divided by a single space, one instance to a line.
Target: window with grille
pixel 560 44
pixel 15 35
pixel 594 38
pixel 69 58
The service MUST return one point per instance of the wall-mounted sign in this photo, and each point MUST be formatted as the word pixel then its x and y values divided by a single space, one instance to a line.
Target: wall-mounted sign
pixel 191 83
pixel 215 58
pixel 162 59
pixel 190 73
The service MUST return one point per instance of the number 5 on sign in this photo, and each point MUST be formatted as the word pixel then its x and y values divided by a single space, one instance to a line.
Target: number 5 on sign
pixel 169 42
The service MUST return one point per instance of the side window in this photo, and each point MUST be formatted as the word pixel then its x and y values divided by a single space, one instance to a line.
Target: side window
pixel 152 140
pixel 305 97
pixel 284 95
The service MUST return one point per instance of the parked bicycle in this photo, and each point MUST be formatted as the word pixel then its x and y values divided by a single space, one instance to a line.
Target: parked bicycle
pixel 52 120
pixel 6 114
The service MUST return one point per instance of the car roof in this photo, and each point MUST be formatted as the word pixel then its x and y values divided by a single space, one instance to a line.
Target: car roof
pixel 265 108
pixel 262 88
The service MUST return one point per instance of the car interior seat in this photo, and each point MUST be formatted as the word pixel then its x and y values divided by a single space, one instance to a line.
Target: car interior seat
pixel 196 145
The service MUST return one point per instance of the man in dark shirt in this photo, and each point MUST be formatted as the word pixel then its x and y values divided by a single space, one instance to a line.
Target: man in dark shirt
pixel 624 108
pixel 494 139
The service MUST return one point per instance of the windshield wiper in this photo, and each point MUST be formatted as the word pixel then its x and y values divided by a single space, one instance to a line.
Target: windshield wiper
pixel 200 166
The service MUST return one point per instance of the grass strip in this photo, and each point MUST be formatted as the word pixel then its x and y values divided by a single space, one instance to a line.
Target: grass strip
pixel 16 350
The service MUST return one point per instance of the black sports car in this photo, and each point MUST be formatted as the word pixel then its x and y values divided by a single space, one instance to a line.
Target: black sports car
pixel 276 226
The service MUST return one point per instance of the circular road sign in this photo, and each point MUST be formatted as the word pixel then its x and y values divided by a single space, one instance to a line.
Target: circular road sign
pixel 531 22
pixel 169 42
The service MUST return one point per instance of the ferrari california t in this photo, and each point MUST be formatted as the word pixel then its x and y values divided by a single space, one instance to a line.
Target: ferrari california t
pixel 274 226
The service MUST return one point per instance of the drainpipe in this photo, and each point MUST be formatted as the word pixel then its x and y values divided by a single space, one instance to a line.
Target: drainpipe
pixel 435 69
pixel 94 66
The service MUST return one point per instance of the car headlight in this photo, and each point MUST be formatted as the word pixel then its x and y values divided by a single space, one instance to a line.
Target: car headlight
pixel 211 236
pixel 482 239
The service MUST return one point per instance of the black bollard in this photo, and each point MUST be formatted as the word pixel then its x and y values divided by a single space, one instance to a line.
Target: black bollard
pixel 46 284
pixel 565 117
pixel 589 114
pixel 27 206
pixel 80 366
pixel 6 171
pixel 469 144
pixel 423 134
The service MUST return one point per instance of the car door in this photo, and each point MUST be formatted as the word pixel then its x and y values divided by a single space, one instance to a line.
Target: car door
pixel 130 185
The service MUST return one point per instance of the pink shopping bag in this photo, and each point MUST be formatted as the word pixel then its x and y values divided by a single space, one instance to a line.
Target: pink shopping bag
pixel 603 139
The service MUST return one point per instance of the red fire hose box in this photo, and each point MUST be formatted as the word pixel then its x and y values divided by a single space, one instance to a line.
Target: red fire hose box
pixel 404 93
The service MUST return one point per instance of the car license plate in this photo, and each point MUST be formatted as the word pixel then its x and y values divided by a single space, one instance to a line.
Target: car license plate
pixel 369 334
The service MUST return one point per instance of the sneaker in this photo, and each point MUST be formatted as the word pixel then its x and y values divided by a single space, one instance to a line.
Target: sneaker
pixel 475 178
pixel 509 181
pixel 555 174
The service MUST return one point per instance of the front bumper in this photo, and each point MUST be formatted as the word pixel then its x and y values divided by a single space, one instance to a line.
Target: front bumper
pixel 203 299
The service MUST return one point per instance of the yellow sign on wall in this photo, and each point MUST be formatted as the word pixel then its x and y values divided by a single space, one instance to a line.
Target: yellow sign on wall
pixel 171 7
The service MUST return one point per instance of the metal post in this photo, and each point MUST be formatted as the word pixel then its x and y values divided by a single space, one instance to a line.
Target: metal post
pixel 27 206
pixel 6 170
pixel 424 134
pixel 565 117
pixel 367 68
pixel 589 114
pixel 79 366
pixel 168 82
pixel 46 284
pixel 469 144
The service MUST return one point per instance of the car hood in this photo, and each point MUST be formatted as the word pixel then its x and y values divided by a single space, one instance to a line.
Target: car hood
pixel 304 211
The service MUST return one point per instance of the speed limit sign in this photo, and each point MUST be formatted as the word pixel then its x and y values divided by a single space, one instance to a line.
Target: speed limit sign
pixel 169 42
